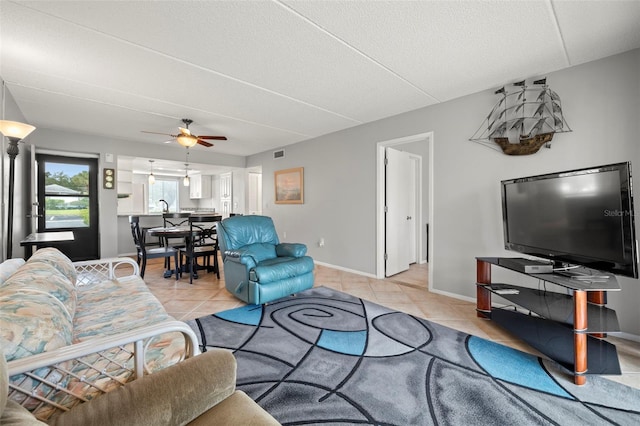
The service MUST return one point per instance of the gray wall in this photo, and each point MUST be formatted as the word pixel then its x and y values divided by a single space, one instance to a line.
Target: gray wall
pixel 601 100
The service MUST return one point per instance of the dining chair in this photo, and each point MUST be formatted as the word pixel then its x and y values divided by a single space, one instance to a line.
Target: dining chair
pixel 145 253
pixel 175 219
pixel 203 242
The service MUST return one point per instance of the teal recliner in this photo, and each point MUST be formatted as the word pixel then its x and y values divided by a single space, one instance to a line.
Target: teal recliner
pixel 257 268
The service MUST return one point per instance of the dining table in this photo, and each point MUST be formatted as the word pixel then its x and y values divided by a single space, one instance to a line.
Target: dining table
pixel 186 232
pixel 165 233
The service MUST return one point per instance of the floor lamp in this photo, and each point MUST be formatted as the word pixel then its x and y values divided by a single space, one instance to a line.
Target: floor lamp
pixel 14 132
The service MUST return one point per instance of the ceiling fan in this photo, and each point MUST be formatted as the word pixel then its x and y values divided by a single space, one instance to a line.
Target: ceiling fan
pixel 187 139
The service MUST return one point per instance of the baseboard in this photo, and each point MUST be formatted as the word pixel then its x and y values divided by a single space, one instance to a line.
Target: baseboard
pixel 353 271
pixel 452 295
pixel 626 336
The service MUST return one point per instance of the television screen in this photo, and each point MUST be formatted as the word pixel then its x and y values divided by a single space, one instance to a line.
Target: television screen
pixel 582 217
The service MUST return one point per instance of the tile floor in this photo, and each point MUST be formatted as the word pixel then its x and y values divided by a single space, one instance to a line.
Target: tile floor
pixel 406 292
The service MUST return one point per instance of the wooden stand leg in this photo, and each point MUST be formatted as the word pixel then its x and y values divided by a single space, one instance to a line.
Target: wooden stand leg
pixel 580 336
pixel 483 296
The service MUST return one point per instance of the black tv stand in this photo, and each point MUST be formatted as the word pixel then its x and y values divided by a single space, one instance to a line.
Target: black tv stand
pixel 559 328
pixel 569 274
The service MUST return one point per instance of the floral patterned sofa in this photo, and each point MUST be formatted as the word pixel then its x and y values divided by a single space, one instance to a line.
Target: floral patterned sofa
pixel 73 331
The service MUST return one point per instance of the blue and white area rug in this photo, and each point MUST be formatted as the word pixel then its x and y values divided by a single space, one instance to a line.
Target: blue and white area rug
pixel 327 357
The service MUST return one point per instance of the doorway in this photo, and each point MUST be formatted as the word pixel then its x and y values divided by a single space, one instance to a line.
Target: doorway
pixel 254 192
pixel 67 194
pixel 424 191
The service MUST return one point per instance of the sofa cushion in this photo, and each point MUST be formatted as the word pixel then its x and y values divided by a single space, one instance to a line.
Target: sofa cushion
pixel 115 306
pixel 38 277
pixel 16 415
pixel 281 268
pixel 58 260
pixel 8 268
pixel 31 323
pixel 238 409
pixel 173 396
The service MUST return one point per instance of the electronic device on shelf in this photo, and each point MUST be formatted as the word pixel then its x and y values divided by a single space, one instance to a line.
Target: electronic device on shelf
pixel 528 266
pixel 578 217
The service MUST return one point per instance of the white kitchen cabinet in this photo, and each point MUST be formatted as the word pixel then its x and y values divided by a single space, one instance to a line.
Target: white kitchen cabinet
pixel 199 186
pixel 226 192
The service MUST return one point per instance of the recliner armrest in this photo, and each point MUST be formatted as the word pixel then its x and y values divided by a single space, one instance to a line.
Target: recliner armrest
pixel 291 249
pixel 239 256
pixel 175 395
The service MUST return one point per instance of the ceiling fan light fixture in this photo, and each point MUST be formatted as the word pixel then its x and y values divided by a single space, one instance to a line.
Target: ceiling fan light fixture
pixel 187 140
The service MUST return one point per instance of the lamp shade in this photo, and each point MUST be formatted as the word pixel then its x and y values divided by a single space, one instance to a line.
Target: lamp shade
pixel 187 140
pixel 15 129
pixel 186 181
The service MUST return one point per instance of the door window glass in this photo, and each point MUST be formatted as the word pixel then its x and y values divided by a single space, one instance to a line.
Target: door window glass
pixel 66 195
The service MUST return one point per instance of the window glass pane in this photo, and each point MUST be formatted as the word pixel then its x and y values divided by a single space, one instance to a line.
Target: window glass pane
pixel 61 213
pixel 163 190
pixel 66 195
pixel 66 179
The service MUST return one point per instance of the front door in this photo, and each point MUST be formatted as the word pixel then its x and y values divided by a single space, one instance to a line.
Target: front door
pixel 68 201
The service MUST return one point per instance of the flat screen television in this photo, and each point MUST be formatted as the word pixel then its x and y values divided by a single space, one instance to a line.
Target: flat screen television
pixel 579 217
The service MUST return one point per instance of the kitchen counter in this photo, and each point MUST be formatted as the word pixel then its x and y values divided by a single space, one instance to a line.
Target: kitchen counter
pixel 140 215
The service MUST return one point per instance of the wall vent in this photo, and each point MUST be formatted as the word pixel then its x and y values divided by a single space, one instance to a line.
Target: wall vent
pixel 278 154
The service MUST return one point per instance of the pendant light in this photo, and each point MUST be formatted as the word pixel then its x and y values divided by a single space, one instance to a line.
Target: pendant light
pixel 152 178
pixel 186 181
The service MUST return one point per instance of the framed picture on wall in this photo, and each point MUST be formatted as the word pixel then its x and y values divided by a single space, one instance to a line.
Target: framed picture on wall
pixel 289 186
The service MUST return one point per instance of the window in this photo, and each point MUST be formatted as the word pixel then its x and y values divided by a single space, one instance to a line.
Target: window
pixel 163 189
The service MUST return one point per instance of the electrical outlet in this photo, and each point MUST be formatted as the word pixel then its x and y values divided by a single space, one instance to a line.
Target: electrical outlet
pixel 284 234
pixel 321 242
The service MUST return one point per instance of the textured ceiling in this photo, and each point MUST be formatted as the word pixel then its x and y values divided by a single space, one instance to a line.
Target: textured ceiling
pixel 271 73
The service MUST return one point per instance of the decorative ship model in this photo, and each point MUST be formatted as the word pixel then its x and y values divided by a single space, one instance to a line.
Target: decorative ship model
pixel 529 116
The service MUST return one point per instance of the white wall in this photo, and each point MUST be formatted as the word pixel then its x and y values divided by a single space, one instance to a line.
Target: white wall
pixel 601 101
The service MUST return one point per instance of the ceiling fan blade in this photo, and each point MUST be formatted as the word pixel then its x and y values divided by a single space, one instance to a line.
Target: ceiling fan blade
pixel 215 138
pixel 203 143
pixel 158 133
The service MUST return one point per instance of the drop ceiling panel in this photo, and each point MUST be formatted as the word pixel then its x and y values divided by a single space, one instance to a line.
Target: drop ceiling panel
pixel 165 113
pixel 449 49
pixel 261 39
pixel 270 73
pixel 118 123
pixel 592 30
pixel 84 56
